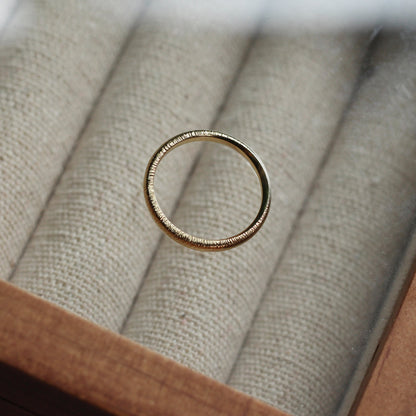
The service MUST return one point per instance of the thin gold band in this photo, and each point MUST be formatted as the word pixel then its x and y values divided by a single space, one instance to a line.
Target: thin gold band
pixel 171 229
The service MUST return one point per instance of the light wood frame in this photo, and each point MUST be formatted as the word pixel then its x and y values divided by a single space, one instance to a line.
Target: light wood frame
pixel 53 362
pixel 99 367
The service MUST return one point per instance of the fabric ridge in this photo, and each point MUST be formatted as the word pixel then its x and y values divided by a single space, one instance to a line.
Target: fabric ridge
pixel 96 237
pixel 54 59
pixel 196 307
pixel 319 307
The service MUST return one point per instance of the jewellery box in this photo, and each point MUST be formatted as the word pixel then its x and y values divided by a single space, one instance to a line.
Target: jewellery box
pixel 101 313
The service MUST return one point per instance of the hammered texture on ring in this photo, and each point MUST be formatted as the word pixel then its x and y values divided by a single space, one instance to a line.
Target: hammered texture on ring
pixel 181 236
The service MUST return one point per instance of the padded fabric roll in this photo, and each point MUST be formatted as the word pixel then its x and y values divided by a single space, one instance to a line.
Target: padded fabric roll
pixel 54 59
pixel 96 238
pixel 196 307
pixel 317 312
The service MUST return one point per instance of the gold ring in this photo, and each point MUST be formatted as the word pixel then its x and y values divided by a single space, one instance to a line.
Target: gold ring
pixel 171 229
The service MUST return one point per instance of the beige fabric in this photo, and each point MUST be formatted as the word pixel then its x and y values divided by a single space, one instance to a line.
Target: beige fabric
pixel 54 58
pixel 196 307
pixel 306 337
pixel 96 238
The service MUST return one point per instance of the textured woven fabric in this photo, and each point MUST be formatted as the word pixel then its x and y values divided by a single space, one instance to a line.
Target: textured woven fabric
pixel 54 59
pixel 307 335
pixel 196 307
pixel 96 237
